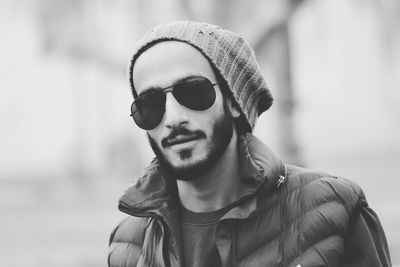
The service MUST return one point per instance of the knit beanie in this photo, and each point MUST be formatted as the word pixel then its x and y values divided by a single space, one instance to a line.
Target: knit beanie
pixel 229 54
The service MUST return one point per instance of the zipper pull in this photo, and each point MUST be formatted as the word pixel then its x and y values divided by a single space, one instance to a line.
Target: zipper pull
pixel 280 181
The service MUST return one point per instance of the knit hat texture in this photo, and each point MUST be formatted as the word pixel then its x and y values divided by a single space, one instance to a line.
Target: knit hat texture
pixel 229 53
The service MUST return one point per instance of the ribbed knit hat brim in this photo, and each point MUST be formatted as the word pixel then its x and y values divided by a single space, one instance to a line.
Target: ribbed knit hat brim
pixel 229 53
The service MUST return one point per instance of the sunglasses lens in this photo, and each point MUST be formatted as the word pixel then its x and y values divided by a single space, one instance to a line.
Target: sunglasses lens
pixel 196 93
pixel 148 110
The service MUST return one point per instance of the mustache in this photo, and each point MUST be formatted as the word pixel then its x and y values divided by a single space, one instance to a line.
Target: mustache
pixel 181 132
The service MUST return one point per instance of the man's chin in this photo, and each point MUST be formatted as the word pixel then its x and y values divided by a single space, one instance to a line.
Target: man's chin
pixel 186 169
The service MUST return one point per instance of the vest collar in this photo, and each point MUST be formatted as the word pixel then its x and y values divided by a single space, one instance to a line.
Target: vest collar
pixel 154 192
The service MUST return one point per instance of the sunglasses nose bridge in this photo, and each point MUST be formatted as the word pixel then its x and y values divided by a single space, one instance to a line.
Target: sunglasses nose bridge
pixel 168 90
pixel 174 113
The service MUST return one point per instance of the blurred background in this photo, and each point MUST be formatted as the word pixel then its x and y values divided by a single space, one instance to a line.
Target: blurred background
pixel 68 147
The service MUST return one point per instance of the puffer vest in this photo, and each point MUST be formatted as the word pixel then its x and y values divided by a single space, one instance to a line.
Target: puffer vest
pixel 289 216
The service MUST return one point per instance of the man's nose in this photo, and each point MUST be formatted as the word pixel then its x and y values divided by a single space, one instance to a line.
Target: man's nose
pixel 175 113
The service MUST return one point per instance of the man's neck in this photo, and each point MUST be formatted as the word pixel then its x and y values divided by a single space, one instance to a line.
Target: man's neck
pixel 219 187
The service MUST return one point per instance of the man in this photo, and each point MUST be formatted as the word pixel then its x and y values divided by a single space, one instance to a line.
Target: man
pixel 215 195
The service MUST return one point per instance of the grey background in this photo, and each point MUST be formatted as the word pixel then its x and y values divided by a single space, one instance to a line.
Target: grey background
pixel 68 147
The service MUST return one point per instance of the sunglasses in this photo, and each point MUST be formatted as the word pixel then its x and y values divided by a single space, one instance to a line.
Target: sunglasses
pixel 196 93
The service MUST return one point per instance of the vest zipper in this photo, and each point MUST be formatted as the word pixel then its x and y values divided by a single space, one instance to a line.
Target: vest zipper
pixel 281 199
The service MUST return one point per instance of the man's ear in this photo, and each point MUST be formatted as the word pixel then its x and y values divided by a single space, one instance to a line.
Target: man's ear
pixel 233 109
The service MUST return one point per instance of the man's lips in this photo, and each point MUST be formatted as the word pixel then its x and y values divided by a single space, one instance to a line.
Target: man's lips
pixel 180 135
pixel 180 139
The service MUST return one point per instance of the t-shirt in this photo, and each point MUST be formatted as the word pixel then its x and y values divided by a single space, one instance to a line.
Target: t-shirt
pixel 198 237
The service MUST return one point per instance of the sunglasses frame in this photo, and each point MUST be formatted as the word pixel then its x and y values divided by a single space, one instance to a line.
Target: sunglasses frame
pixel 171 89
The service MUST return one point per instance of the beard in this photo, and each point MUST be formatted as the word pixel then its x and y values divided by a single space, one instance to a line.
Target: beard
pixel 220 138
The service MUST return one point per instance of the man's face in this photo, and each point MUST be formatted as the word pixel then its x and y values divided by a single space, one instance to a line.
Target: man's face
pixel 187 142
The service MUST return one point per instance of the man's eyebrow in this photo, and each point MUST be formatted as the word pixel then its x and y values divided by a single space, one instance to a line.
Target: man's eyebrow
pixel 152 89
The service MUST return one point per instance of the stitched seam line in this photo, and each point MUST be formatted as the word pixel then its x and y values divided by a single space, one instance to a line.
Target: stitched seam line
pixel 279 234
